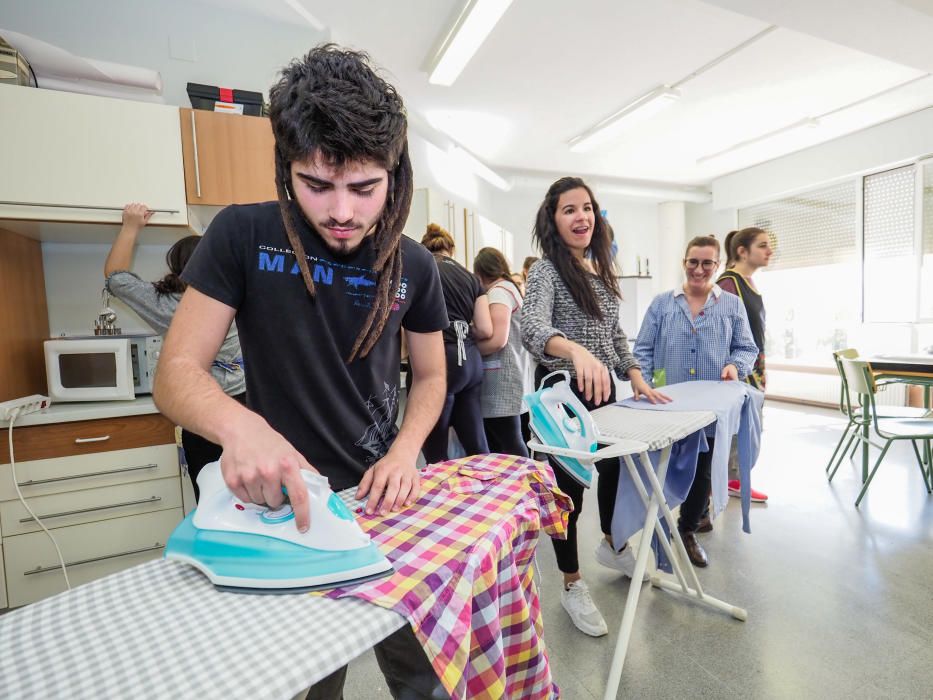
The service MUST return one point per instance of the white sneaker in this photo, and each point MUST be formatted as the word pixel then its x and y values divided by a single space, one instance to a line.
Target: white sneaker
pixel 623 561
pixel 579 605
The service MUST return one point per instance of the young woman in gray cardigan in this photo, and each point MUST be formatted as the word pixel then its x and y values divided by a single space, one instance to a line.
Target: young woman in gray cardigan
pixel 570 321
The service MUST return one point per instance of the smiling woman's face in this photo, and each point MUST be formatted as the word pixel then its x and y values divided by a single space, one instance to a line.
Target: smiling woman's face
pixel 575 219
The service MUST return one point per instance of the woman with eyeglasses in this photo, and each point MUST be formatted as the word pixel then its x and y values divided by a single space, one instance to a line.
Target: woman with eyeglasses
pixel 691 333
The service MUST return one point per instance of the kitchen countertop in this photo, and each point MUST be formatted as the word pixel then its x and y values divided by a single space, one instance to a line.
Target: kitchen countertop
pixel 86 410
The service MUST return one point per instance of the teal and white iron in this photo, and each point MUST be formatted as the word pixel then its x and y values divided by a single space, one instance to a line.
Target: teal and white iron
pixel 240 545
pixel 563 427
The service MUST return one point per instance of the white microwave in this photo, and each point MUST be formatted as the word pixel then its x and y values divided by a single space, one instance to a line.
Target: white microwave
pixel 101 368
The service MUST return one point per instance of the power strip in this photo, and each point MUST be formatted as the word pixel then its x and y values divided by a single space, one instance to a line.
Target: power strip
pixel 27 404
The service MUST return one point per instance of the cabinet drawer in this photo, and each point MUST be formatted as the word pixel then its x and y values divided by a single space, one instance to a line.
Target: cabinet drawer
pixel 46 476
pixel 91 551
pixel 89 505
pixel 87 437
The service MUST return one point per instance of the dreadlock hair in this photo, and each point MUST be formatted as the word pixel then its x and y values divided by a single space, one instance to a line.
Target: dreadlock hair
pixel 571 270
pixel 490 264
pixel 438 241
pixel 176 258
pixel 331 105
pixel 743 238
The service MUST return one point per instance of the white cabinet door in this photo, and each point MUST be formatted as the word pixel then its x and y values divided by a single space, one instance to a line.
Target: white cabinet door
pixel 88 156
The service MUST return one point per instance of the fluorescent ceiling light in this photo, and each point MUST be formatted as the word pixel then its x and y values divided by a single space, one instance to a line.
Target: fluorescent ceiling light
pixel 641 109
pixel 474 164
pixel 308 17
pixel 473 25
pixel 766 140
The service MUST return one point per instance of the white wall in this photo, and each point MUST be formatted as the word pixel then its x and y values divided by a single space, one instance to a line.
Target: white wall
pixel 74 278
pixel 229 48
pixel 703 220
pixel 885 145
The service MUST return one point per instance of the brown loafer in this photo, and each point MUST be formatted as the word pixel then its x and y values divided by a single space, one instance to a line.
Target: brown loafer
pixel 706 525
pixel 695 550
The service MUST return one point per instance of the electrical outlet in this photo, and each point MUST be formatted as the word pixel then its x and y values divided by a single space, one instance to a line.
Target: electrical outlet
pixel 27 404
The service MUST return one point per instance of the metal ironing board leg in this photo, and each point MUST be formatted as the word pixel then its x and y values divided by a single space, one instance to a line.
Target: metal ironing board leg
pixel 654 503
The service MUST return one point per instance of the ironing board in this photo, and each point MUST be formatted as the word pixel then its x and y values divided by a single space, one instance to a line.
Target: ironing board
pixel 644 432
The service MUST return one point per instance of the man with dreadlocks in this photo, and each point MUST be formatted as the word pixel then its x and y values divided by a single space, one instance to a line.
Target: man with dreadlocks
pixel 320 283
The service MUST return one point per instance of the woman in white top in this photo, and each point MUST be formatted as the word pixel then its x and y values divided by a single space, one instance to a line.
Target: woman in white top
pixel 504 358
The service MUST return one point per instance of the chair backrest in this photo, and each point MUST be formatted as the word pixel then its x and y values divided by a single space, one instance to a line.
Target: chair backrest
pixel 846 406
pixel 857 374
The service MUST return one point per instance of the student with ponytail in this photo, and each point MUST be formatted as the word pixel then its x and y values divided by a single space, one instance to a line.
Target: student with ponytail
pixel 155 303
pixel 504 359
pixel 747 251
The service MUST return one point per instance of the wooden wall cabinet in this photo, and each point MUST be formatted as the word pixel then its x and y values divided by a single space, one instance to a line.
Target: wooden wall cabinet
pixel 24 317
pixel 86 157
pixel 228 158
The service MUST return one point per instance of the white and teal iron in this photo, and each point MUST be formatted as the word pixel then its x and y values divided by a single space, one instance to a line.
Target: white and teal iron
pixel 243 546
pixel 563 427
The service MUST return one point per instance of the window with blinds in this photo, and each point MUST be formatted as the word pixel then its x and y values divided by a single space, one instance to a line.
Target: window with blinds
pixel 814 228
pixel 926 260
pixel 811 288
pixel 889 263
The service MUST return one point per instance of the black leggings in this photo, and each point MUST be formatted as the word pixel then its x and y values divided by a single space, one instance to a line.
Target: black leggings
pixel 200 451
pixel 697 501
pixel 566 550
pixel 504 434
pixel 462 410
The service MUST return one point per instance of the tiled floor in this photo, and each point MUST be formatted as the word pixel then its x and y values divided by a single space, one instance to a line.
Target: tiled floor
pixel 839 600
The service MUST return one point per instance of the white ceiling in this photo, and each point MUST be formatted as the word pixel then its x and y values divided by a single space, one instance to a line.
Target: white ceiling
pixel 551 69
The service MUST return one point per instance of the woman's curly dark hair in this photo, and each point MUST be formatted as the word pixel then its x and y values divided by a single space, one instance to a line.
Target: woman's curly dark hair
pixel 571 270
pixel 176 258
pixel 331 105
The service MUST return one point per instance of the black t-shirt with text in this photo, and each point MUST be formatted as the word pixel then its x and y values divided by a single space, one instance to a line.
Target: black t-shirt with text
pixel 461 290
pixel 340 416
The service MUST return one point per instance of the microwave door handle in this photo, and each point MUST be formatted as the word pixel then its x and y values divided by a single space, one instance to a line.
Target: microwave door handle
pixel 81 441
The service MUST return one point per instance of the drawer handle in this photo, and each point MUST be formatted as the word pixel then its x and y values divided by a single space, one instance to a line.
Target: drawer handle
pixel 102 438
pixel 151 499
pixel 122 470
pixel 57 567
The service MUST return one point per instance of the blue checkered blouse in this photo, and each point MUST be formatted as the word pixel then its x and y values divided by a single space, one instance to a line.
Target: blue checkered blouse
pixel 672 347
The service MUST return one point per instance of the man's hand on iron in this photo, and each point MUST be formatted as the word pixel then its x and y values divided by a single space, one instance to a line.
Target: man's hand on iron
pixel 393 480
pixel 259 462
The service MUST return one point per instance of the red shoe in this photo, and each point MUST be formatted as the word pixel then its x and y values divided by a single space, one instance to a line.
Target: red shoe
pixel 757 496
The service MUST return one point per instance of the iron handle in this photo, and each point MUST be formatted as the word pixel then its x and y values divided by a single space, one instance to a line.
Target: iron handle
pixel 102 438
pixel 81 206
pixel 43 569
pixel 197 166
pixel 151 499
pixel 36 482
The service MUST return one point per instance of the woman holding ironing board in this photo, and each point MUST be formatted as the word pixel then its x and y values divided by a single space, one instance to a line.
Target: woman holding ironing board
pixel 570 321
pixel 696 332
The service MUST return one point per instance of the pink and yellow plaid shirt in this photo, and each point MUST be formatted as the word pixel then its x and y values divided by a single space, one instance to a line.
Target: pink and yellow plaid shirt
pixel 464 556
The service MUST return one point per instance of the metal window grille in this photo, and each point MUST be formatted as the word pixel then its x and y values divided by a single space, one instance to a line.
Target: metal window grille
pixel 811 228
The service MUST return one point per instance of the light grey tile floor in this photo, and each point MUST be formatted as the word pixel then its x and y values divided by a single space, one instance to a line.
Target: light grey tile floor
pixel 839 600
